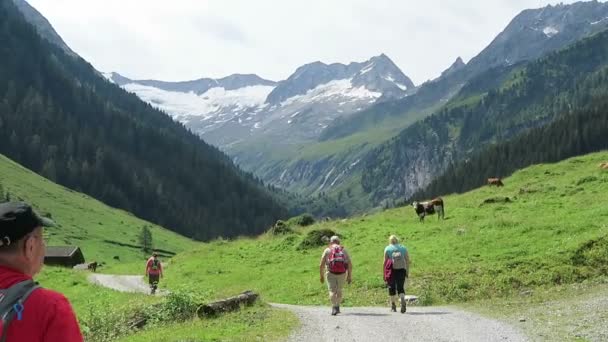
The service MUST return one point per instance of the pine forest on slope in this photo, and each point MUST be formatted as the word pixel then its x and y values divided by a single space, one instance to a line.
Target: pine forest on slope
pixel 568 82
pixel 61 118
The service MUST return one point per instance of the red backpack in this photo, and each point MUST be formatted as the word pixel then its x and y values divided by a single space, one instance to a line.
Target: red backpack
pixel 336 259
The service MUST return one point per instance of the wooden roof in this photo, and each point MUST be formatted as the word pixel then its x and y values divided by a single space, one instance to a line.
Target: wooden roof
pixel 61 251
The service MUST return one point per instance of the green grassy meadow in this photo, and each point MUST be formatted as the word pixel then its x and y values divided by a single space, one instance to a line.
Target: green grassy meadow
pixel 85 222
pixel 489 254
pixel 104 314
pixel 553 231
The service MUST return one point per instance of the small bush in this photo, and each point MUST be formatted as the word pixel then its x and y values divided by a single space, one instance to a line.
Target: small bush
pixel 280 228
pixel 587 179
pixel 103 323
pixel 305 220
pixel 593 253
pixel 314 238
pixel 178 306
pixel 496 200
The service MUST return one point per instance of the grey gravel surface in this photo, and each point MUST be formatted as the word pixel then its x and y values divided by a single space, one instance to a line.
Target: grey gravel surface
pixel 437 324
pixel 123 283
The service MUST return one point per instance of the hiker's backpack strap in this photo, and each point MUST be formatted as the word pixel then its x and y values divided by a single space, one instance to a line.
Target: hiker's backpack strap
pixel 11 304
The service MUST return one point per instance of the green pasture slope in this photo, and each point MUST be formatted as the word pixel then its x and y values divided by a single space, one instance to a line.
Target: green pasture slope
pixel 104 314
pixel 96 228
pixel 552 230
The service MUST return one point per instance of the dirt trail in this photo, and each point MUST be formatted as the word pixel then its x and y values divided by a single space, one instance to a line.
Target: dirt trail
pixel 368 323
pixel 123 283
pixel 378 324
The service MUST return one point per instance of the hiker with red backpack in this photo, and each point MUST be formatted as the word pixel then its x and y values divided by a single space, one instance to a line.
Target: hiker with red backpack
pixel 396 266
pixel 28 312
pixel 154 271
pixel 337 268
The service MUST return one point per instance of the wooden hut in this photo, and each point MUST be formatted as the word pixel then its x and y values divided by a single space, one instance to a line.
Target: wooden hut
pixel 68 256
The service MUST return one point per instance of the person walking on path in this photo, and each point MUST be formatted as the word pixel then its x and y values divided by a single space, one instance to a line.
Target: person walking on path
pixel 154 271
pixel 396 265
pixel 28 312
pixel 335 267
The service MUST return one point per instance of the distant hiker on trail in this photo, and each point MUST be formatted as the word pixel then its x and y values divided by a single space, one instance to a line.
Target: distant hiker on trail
pixel 154 271
pixel 396 266
pixel 27 311
pixel 337 268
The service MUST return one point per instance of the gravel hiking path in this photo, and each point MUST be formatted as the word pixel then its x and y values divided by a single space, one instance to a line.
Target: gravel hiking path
pixel 436 324
pixel 123 283
pixel 379 324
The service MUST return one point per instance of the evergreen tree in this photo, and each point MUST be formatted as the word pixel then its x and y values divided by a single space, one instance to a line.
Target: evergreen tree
pixel 145 239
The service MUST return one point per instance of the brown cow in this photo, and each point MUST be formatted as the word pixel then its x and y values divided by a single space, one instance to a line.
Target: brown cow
pixel 604 166
pixel 92 266
pixel 429 208
pixel 495 181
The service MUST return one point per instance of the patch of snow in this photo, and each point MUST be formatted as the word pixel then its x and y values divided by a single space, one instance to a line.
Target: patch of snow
pixel 367 68
pixel 108 76
pixel 232 144
pixel 355 163
pixel 257 125
pixel 336 88
pixel 336 179
pixel 294 114
pixel 390 78
pixel 289 121
pixel 283 174
pixel 326 178
pixel 401 86
pixel 178 104
pixel 550 31
pixel 599 21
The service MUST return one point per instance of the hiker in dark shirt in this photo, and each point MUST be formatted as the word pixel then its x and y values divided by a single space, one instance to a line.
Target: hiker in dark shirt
pixel 154 271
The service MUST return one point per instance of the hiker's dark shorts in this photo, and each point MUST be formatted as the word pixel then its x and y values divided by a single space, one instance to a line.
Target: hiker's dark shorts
pixel 152 278
pixel 397 286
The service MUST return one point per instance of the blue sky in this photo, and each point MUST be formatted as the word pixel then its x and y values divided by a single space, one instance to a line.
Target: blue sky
pixel 188 39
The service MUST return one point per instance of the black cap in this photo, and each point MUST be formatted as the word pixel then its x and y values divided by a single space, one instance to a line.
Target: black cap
pixel 17 219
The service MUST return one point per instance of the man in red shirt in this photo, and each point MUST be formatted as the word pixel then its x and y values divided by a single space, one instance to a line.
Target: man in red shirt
pixel 154 271
pixel 43 315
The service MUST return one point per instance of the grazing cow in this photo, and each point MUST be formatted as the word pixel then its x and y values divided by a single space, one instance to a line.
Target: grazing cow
pixel 604 166
pixel 495 181
pixel 429 208
pixel 92 266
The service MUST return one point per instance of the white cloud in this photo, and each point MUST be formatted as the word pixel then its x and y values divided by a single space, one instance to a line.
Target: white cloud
pixel 187 39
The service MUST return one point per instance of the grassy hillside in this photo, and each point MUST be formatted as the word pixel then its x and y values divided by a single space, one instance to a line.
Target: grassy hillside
pixel 104 314
pixel 552 231
pixel 97 229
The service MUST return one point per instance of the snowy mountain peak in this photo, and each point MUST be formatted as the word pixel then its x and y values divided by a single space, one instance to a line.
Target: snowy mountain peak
pixel 378 74
pixel 199 86
pixel 534 32
pixel 232 109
